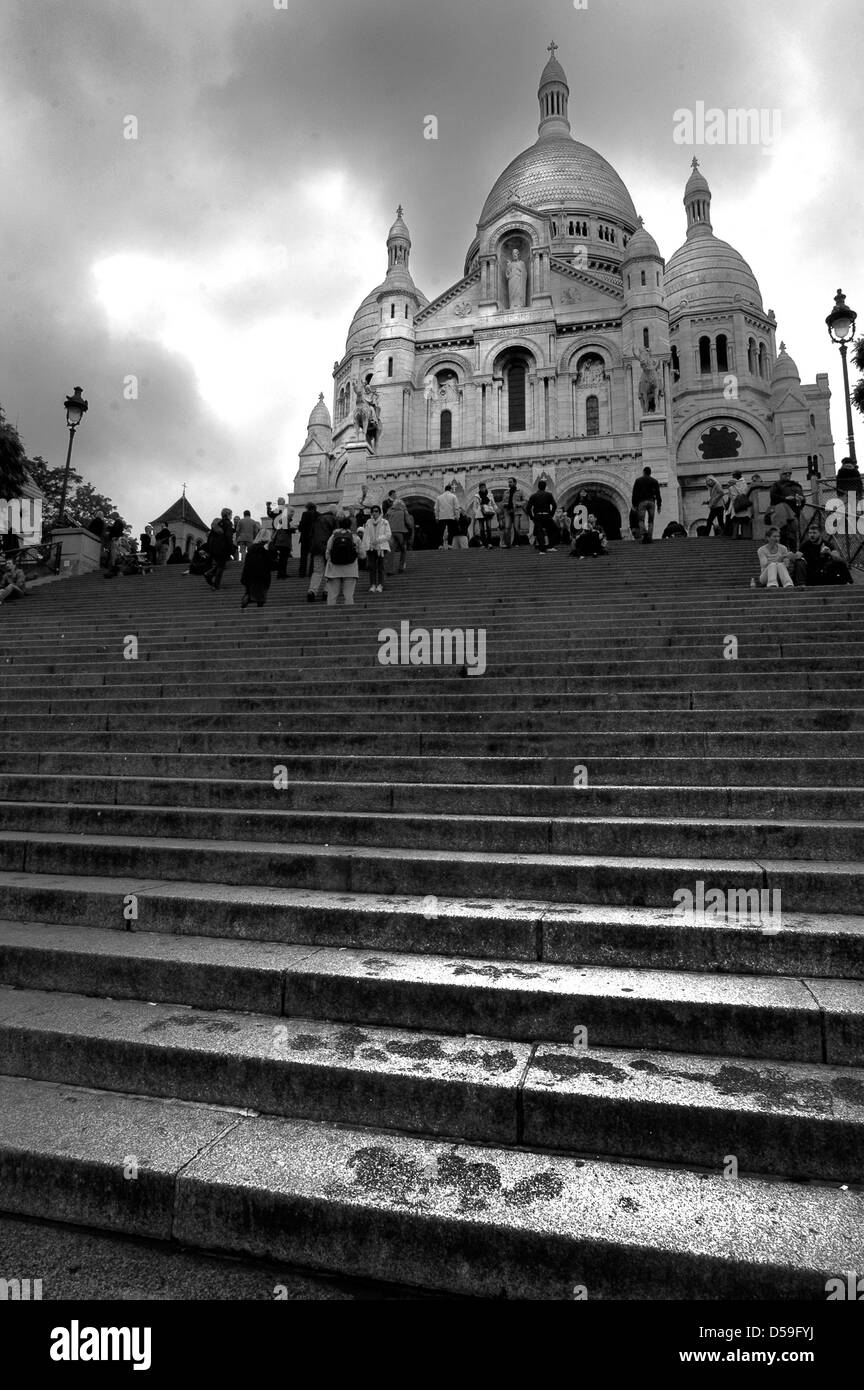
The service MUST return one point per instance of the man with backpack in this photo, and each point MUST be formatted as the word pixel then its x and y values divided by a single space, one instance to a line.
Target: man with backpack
pixel 541 508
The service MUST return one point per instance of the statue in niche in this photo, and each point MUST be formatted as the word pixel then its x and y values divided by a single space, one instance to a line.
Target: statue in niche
pixel 649 385
pixel 430 387
pixel 367 411
pixel 450 393
pixel 515 271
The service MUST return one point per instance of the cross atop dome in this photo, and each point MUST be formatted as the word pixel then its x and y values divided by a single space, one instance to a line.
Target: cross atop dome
pixel 552 48
pixel 694 164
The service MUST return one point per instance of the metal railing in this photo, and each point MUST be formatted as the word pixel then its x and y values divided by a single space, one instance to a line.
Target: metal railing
pixel 851 547
pixel 36 561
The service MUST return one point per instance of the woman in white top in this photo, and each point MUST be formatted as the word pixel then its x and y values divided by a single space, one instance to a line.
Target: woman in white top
pixel 376 543
pixel 772 562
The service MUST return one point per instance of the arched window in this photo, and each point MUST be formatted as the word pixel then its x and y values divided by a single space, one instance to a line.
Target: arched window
pixel 389 366
pixel 813 422
pixel 646 342
pixel 722 353
pixel 406 311
pixel 642 277
pixel 628 282
pixel 592 415
pixel 570 229
pixel 751 356
pixel 446 438
pixel 763 360
pixel 392 311
pixel 676 365
pixel 704 354
pixel 516 395
pixel 657 276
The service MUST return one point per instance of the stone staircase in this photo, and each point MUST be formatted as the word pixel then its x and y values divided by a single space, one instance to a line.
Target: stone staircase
pixel 425 1012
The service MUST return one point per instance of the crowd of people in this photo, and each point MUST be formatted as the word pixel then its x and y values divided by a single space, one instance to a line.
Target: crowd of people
pixel 334 548
pixel 512 519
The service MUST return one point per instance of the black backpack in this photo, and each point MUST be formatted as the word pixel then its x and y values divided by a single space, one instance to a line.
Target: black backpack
pixel 342 550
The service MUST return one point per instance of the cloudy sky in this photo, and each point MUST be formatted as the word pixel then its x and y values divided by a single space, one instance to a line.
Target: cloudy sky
pixel 198 280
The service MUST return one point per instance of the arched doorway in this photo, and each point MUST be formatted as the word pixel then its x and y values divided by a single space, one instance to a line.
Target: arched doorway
pixel 599 504
pixel 425 525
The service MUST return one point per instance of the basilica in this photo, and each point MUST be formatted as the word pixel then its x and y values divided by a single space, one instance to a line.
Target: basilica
pixel 567 349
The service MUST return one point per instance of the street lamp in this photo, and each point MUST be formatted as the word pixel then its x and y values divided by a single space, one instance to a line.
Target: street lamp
pixel 841 330
pixel 75 406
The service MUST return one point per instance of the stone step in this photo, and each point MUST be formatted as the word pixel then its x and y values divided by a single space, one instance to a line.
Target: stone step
pixel 519 711
pixel 793 1120
pixel 389 1077
pixel 414 798
pixel 556 653
pixel 553 640
pixel 363 731
pixel 458 829
pixel 578 934
pixel 805 886
pixel 739 775
pixel 287 747
pixel 778 1017
pixel 485 1221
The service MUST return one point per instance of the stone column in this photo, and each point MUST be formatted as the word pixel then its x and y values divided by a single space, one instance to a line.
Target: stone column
pixel 354 477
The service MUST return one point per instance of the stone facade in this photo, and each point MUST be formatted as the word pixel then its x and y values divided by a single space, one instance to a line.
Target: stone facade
pixel 567 349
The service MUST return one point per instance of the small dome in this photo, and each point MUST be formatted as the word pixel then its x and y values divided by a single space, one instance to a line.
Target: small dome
pixel 641 243
pixel 706 272
pixel 697 182
pixel 367 320
pixel 553 72
pixel 785 371
pixel 320 414
pixel 399 229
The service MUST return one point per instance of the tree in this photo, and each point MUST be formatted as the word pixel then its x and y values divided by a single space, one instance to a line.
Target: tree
pixel 50 481
pixel 85 502
pixel 82 499
pixel 13 461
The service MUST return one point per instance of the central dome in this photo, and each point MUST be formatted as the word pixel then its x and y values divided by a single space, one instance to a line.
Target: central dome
pixel 559 171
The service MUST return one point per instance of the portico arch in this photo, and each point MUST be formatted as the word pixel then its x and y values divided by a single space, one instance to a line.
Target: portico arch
pixel 422 510
pixel 608 504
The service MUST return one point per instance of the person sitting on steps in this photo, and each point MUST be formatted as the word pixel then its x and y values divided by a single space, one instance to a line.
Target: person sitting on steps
pixel 823 563
pixel 772 562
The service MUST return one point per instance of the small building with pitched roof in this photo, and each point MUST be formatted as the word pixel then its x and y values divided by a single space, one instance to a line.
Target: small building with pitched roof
pixel 184 523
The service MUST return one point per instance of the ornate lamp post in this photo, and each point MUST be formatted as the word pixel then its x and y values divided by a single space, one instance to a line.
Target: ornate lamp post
pixel 75 406
pixel 841 330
